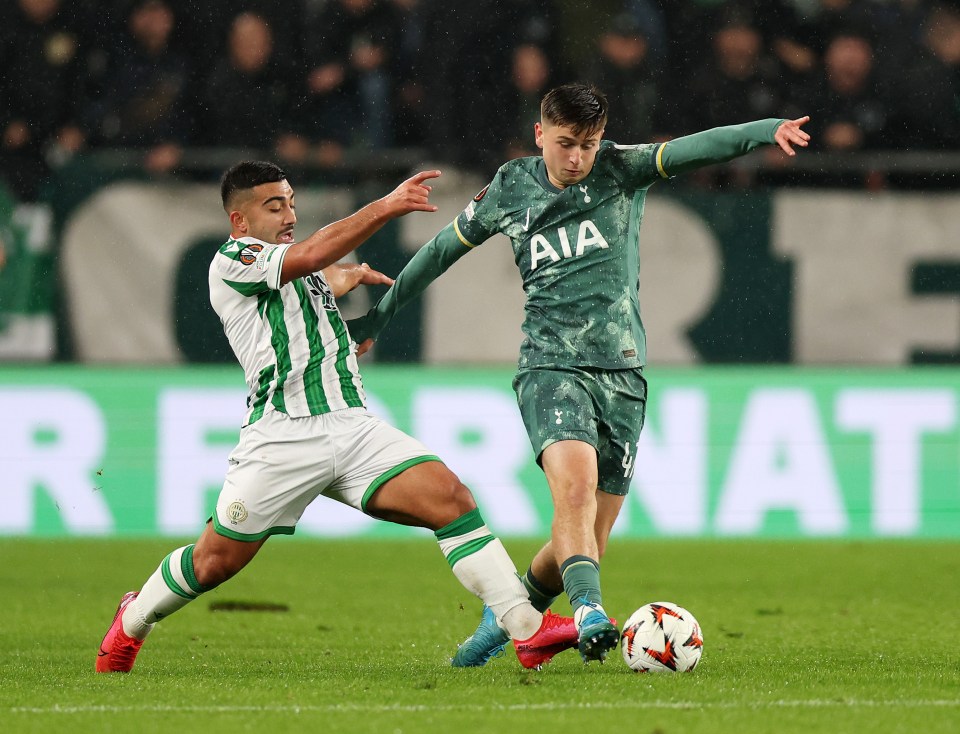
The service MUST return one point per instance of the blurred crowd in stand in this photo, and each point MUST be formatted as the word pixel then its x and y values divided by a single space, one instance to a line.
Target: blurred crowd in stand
pixel 307 81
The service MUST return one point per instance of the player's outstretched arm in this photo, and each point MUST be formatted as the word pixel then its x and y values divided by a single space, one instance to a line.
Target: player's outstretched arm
pixel 327 245
pixel 429 262
pixel 721 144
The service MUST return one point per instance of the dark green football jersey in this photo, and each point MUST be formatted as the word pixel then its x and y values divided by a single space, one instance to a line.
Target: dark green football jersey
pixel 578 253
pixel 577 248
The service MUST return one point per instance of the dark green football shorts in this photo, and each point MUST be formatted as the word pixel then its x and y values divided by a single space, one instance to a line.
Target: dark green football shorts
pixel 604 408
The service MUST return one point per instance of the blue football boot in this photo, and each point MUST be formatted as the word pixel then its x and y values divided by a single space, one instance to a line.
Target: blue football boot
pixel 488 641
pixel 598 635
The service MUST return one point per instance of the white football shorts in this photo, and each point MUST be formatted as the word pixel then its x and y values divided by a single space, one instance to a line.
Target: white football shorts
pixel 282 464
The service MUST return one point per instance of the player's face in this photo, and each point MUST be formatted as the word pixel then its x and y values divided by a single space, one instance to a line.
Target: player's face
pixel 569 157
pixel 268 213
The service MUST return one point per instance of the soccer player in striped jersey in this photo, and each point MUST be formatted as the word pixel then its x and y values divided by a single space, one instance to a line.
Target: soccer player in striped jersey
pixel 307 431
pixel 573 216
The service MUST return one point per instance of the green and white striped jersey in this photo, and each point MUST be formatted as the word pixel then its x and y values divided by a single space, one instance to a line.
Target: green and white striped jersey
pixel 291 341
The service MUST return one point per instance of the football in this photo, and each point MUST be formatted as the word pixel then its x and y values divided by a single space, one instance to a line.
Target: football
pixel 661 637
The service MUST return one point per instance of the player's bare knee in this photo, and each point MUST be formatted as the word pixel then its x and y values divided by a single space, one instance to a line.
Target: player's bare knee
pixel 576 500
pixel 455 497
pixel 461 497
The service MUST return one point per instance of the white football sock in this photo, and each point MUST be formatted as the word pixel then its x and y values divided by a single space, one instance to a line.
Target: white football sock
pixel 482 565
pixel 171 587
pixel 490 574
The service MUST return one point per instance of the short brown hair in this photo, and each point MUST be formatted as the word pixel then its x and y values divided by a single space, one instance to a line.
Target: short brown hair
pixel 581 107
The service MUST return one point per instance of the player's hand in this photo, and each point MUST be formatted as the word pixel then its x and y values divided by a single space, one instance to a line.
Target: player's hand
pixel 344 277
pixel 789 134
pixel 364 347
pixel 413 195
pixel 369 276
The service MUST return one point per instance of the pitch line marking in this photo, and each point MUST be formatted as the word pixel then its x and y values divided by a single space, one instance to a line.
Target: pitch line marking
pixel 415 708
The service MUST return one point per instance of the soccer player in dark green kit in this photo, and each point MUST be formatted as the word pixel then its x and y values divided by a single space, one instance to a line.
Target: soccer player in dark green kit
pixel 573 217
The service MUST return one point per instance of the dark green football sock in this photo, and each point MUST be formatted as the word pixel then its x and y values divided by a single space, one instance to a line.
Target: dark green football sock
pixel 540 596
pixel 581 581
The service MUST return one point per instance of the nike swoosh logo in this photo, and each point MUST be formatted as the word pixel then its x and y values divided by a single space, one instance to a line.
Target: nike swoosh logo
pixel 526 225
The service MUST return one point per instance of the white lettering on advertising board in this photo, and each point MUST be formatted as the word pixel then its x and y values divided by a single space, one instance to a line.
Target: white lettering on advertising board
pixel 781 461
pixel 897 420
pixel 52 440
pixel 787 452
pixel 189 466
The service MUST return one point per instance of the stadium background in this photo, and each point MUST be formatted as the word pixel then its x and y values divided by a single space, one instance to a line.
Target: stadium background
pixel 804 317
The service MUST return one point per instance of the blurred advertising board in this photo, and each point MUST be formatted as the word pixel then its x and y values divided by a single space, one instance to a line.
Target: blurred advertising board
pixel 727 451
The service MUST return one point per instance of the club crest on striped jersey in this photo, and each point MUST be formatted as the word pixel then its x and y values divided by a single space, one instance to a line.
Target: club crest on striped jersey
pixel 319 288
pixel 248 255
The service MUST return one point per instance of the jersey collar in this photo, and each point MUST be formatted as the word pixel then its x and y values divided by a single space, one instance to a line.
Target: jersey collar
pixel 544 179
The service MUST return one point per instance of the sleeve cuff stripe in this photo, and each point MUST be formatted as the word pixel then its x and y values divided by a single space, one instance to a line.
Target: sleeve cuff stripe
pixel 464 240
pixel 663 173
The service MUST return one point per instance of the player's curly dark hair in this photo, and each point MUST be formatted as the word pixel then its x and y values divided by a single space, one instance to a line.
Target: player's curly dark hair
pixel 581 107
pixel 245 175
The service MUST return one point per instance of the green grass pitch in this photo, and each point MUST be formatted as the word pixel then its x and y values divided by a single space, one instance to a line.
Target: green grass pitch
pixel 803 636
